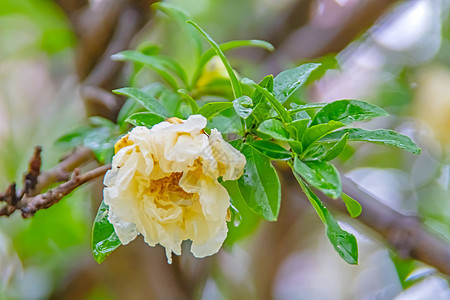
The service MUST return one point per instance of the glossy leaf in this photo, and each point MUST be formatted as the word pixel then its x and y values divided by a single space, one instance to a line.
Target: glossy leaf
pixel 244 221
pixel 146 119
pixel 299 127
pixel 101 141
pixel 308 106
pixel 262 108
pixel 211 109
pixel 279 108
pixel 149 102
pixel 337 149
pixel 353 206
pixel 235 84
pixel 287 82
pixel 104 238
pixel 348 111
pixel 379 136
pixel 243 106
pixel 161 64
pixel 321 175
pixel 270 149
pixel 316 132
pixel 260 184
pixel 275 129
pixel 343 242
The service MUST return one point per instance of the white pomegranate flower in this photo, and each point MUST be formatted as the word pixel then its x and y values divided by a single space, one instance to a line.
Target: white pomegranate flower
pixel 163 185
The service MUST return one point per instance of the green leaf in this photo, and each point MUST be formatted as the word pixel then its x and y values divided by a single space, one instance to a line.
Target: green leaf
pixel 101 141
pixel 337 149
pixel 161 64
pixel 299 127
pixel 260 184
pixel 244 221
pixel 191 101
pixel 296 146
pixel 308 106
pixel 270 149
pixel 243 106
pixel 149 102
pixel 225 47
pixel 131 106
pixel 321 175
pixel 343 242
pixel 287 82
pixel 275 129
pixel 181 18
pixel 348 111
pixel 146 119
pixel 149 61
pixel 235 84
pixel 315 132
pixel 379 136
pixel 353 207
pixel 74 138
pixel 280 109
pixel 211 109
pixel 262 108
pixel 104 238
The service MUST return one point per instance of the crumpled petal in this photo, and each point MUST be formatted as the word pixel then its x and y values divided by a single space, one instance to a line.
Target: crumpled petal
pixel 163 185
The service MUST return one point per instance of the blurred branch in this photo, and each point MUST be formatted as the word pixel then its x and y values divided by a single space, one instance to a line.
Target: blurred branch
pixel 29 200
pixel 314 39
pixel 404 233
pixel 103 28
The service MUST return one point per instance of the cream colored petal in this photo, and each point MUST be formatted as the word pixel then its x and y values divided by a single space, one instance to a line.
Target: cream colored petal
pixel 231 162
pixel 212 245
pixel 126 231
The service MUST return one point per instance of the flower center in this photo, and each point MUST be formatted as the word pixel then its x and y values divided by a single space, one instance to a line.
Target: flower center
pixel 167 191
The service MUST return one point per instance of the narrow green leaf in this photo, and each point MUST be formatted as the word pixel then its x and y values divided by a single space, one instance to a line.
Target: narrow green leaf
pixel 146 119
pixel 379 136
pixel 343 242
pixel 104 238
pixel 337 149
pixel 296 146
pixel 275 129
pixel 348 111
pixel 262 108
pixel 161 64
pixel 315 132
pixel 353 207
pixel 243 106
pixel 321 175
pixel 191 101
pixel 270 149
pixel 287 82
pixel 235 84
pixel 150 61
pixel 149 102
pixel 260 184
pixel 280 109
pixel 209 110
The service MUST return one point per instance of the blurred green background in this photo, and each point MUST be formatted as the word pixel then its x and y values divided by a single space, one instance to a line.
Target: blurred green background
pixel 395 54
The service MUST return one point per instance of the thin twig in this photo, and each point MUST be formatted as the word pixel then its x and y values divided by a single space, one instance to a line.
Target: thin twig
pixel 30 206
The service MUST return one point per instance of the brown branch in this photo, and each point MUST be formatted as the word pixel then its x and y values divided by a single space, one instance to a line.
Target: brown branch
pixel 29 198
pixel 404 233
pixel 30 206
